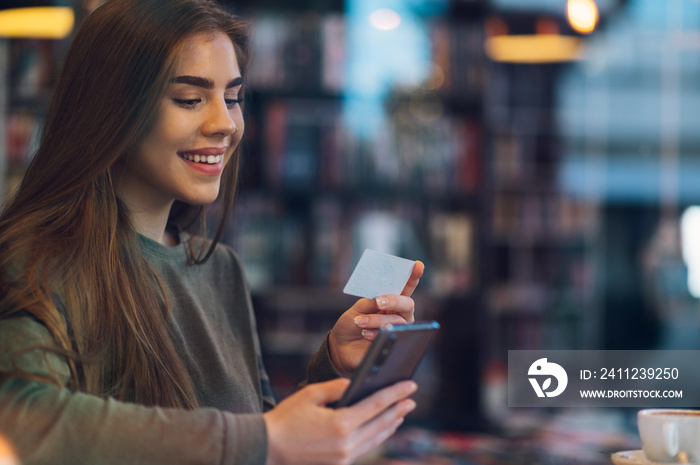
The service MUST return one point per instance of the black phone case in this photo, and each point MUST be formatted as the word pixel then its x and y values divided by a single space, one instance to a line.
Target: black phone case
pixel 393 356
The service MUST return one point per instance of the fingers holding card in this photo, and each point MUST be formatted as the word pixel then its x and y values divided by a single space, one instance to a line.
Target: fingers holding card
pixel 386 283
pixel 378 274
pixel 389 280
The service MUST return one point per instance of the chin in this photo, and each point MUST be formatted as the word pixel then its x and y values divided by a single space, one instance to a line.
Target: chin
pixel 200 200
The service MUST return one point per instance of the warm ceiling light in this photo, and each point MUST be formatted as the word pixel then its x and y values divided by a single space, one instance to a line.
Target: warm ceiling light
pixel 385 19
pixel 583 15
pixel 37 22
pixel 541 48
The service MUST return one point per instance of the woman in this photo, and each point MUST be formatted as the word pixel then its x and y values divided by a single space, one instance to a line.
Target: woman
pixel 124 338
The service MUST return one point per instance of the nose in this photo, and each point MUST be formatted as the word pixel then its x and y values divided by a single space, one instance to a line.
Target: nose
pixel 218 121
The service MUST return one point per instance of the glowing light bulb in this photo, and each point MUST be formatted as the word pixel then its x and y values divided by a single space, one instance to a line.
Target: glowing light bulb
pixel 582 15
pixel 385 19
pixel 37 22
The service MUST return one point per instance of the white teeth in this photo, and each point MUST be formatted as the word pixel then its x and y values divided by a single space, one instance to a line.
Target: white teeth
pixel 210 160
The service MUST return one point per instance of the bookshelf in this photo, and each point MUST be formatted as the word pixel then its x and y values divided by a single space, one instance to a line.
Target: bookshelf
pixel 27 84
pixel 542 281
pixel 314 193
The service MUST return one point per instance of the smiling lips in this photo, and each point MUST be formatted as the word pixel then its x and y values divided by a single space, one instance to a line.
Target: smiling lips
pixel 209 155
pixel 208 159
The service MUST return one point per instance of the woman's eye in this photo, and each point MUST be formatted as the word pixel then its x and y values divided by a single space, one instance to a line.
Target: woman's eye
pixel 187 103
pixel 232 102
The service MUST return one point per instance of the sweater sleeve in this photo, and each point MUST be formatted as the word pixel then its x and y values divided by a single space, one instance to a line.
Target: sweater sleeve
pixel 50 425
pixel 320 367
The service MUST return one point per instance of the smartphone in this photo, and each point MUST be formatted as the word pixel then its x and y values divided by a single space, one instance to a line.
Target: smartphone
pixel 393 356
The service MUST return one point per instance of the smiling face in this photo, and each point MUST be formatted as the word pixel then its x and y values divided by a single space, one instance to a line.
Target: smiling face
pixel 199 125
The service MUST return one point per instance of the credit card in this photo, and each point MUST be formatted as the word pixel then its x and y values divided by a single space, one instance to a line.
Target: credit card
pixel 378 273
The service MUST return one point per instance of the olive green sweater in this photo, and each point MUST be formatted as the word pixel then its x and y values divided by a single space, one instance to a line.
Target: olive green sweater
pixel 213 328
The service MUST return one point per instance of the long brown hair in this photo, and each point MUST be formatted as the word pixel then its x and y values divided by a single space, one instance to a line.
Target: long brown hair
pixel 69 255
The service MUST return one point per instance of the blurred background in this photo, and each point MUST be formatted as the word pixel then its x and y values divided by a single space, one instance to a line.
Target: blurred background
pixel 542 157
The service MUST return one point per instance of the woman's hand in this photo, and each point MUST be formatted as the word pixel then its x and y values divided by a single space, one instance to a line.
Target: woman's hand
pixel 352 333
pixel 302 430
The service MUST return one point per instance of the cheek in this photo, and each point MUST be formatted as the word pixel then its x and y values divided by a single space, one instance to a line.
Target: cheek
pixel 240 124
pixel 173 129
pixel 159 150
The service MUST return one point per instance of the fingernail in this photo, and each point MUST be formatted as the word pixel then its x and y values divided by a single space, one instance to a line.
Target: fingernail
pixel 410 406
pixel 382 301
pixel 411 387
pixel 361 320
pixel 367 333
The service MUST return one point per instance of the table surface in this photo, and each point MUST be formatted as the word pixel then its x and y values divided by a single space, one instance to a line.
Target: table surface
pixel 576 437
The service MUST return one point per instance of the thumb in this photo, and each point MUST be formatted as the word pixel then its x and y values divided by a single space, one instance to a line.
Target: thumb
pixel 326 392
pixel 365 305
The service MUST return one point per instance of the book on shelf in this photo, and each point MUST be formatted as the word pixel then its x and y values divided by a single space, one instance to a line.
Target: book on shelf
pixel 440 53
pixel 301 52
pixel 267 35
pixel 508 158
pixel 269 241
pixel 333 36
pixel 330 243
pixel 457 49
pixel 306 143
pixel 30 70
pixel 537 216
pixel 467 166
pixel 452 251
pixel 298 52
pixel 299 135
pixel 21 136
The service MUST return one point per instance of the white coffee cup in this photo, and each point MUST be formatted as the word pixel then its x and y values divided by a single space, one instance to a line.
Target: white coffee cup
pixel 670 435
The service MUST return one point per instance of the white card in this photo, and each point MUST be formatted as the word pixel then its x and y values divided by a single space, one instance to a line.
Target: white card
pixel 379 273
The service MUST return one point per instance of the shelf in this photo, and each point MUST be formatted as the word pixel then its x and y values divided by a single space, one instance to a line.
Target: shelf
pixel 277 6
pixel 262 94
pixel 303 300
pixel 523 184
pixel 364 193
pixel 552 240
pixel 37 103
pixel 468 8
pixel 461 105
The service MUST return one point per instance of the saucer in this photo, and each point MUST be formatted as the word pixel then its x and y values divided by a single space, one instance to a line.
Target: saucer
pixel 633 457
pixel 629 457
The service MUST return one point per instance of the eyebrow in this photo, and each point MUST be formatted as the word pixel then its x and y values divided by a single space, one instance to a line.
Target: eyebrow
pixel 204 82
